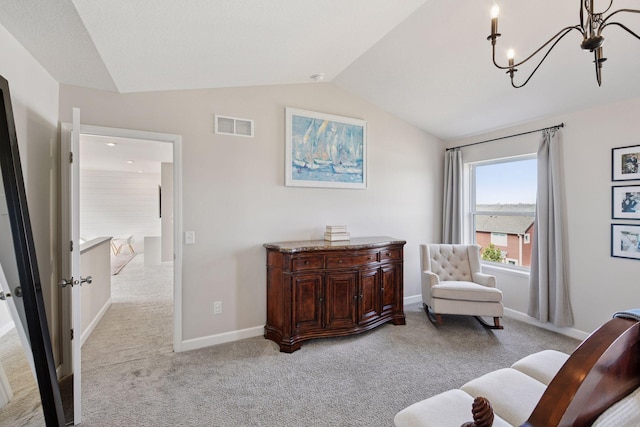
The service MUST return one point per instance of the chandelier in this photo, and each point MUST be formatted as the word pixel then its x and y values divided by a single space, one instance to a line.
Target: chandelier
pixel 591 25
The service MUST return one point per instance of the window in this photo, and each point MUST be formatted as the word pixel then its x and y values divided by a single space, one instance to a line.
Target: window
pixel 499 239
pixel 502 207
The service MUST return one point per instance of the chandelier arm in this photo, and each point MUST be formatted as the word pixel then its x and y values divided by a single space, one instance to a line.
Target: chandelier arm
pixel 493 56
pixel 566 31
pixel 555 39
pixel 625 28
pixel 604 11
pixel 604 21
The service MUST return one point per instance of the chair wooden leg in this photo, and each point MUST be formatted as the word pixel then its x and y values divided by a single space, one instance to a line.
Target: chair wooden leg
pixel 496 323
pixel 434 318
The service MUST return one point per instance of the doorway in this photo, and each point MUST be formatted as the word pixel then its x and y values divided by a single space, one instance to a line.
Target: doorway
pixel 126 194
pixel 151 162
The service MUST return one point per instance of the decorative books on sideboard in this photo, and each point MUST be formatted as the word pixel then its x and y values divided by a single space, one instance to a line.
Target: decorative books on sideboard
pixel 336 233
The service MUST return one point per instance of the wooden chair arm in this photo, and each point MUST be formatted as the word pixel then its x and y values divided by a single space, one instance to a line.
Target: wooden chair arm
pixel 601 371
pixel 482 413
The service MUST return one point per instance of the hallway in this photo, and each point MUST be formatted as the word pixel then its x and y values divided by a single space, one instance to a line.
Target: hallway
pixel 140 318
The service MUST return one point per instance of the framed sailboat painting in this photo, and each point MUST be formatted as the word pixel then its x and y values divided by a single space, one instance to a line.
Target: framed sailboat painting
pixel 324 150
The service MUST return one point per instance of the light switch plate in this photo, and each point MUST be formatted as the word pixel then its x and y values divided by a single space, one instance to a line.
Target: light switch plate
pixel 189 237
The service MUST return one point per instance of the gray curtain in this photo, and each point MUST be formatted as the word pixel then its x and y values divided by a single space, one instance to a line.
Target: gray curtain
pixel 452 200
pixel 548 285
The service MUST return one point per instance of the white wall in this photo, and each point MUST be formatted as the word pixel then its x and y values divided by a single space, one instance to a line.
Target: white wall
pixel 34 96
pixel 166 172
pixel 96 298
pixel 234 196
pixel 119 204
pixel 599 284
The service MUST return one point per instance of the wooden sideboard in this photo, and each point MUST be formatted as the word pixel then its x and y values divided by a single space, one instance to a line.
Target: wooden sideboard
pixel 321 289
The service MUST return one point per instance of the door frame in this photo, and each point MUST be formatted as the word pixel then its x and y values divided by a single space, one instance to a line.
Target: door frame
pixel 176 140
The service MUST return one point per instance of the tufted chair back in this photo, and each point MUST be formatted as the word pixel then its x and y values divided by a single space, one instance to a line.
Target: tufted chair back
pixel 453 283
pixel 452 262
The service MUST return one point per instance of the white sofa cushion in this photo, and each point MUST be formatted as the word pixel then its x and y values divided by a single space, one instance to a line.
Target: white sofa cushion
pixel 543 365
pixel 465 291
pixel 513 395
pixel 451 408
pixel 625 413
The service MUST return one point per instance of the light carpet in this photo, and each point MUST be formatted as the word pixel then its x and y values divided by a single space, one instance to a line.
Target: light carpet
pixel 118 262
pixel 131 377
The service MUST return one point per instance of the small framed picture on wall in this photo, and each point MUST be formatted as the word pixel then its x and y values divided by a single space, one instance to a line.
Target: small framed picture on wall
pixel 625 241
pixel 625 202
pixel 624 163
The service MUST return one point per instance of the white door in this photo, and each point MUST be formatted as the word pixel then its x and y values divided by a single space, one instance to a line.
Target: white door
pixel 71 281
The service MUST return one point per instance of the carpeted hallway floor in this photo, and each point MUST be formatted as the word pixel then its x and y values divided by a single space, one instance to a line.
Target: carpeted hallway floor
pixel 131 377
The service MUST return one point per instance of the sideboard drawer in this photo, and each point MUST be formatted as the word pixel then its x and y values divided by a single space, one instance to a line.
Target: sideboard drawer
pixel 349 261
pixel 390 254
pixel 307 263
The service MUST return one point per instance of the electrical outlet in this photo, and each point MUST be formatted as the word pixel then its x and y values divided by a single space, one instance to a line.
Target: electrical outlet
pixel 217 307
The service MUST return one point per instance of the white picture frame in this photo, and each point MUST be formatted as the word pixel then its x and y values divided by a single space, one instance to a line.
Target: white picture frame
pixel 325 150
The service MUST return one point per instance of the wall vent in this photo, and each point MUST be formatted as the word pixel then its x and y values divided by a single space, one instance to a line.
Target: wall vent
pixel 234 126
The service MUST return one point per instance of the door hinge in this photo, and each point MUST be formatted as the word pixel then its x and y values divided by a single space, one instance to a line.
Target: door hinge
pixel 71 246
pixel 71 334
pixel 70 157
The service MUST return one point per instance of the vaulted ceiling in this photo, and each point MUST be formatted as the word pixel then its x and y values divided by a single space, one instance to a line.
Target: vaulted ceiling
pixel 426 61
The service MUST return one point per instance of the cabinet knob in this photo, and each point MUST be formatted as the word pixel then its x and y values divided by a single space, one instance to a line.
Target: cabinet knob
pixel 389 254
pixel 306 263
pixel 321 299
pixel 339 261
pixel 355 297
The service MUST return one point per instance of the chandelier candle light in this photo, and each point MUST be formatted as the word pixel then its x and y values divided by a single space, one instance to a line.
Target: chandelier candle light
pixel 591 25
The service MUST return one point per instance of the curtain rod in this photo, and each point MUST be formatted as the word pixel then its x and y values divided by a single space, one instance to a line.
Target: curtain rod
pixel 561 125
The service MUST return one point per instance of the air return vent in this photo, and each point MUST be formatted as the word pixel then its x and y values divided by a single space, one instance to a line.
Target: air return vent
pixel 234 126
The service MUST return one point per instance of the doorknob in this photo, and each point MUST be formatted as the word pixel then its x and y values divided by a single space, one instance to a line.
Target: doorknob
pixel 65 282
pixel 17 293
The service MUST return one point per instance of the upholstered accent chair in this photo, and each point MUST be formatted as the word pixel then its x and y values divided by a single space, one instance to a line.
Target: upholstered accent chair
pixel 452 283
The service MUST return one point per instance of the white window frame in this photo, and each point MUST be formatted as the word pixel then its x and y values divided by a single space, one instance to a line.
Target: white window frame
pixel 469 194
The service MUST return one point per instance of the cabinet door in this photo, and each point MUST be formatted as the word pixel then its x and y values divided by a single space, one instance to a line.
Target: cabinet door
pixel 369 296
pixel 341 300
pixel 391 288
pixel 307 302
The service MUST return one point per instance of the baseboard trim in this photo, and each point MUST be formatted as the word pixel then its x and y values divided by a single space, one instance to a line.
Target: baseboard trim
pixel 523 317
pixel 6 328
pixel 94 322
pixel 208 341
pixel 413 299
pixel 256 331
